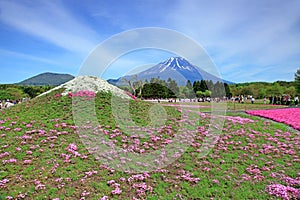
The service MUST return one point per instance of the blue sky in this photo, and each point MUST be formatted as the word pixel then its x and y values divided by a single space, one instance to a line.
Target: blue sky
pixel 247 40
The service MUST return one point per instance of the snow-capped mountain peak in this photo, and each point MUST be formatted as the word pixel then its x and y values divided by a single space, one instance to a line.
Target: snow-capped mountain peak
pixel 176 63
pixel 179 69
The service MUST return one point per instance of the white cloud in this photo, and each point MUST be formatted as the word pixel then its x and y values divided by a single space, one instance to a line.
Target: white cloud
pixel 14 54
pixel 50 21
pixel 242 33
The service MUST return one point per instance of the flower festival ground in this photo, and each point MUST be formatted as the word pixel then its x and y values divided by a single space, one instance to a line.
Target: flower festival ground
pixel 43 157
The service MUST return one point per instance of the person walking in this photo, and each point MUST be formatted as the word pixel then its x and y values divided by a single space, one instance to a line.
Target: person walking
pixel 296 100
pixel 289 100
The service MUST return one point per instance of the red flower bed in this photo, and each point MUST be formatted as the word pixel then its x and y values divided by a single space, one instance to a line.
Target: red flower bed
pixel 131 95
pixel 290 116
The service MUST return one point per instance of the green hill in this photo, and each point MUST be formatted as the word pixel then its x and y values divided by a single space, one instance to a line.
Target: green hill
pixel 48 78
pixel 44 154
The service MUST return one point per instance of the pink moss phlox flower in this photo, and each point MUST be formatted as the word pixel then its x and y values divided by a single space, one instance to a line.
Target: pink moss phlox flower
pixel 107 168
pixel 3 182
pixel 12 160
pixel 131 95
pixel 27 161
pixel 284 192
pixel 39 185
pixel 139 177
pixel 239 120
pixel 117 190
pixel 4 154
pixel 53 169
pixel 245 177
pixel 142 188
pixel 122 179
pixel 18 129
pixel 206 169
pixel 83 93
pixel 89 173
pixel 111 182
pixel 290 116
pixel 72 147
pixel 59 180
pixel 291 181
pixel 29 152
pixel 84 193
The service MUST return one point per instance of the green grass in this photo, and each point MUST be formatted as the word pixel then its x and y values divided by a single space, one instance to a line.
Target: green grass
pixel 226 165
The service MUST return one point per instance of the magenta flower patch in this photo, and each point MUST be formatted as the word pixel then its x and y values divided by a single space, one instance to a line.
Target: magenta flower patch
pixel 290 116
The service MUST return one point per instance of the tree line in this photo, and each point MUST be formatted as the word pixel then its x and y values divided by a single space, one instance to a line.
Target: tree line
pixel 14 92
pixel 264 89
pixel 261 89
pixel 159 88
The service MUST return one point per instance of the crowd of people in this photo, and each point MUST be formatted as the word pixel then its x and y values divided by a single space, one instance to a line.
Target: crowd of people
pixel 242 98
pixel 275 100
pixel 9 103
pixel 283 100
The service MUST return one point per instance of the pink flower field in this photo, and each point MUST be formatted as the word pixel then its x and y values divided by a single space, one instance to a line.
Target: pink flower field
pixel 44 154
pixel 289 116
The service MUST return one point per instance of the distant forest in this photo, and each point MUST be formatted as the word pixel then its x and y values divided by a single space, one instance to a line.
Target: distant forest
pixel 263 89
pixel 157 88
pixel 16 92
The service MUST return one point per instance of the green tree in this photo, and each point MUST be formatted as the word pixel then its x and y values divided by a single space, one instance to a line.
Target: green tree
pixel 173 87
pixel 227 90
pixel 262 92
pixel 186 92
pixel 156 90
pixel 290 91
pixel 297 81
pixel 196 86
pixel 199 94
pixel 277 89
pixel 5 95
pixel 218 90
pixel 15 92
pixel 247 91
pixel 203 86
pixel 32 91
pixel 190 93
pixel 207 93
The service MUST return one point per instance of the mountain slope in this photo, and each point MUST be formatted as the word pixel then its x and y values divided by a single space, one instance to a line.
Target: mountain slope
pixel 47 78
pixel 177 68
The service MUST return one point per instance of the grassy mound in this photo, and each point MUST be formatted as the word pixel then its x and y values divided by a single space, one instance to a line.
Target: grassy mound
pixel 43 157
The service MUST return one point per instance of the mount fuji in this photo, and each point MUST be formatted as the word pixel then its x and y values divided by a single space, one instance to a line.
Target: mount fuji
pixel 176 68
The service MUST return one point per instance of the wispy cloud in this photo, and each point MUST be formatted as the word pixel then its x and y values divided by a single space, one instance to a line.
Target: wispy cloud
pixel 257 33
pixel 247 40
pixel 50 21
pixel 14 54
